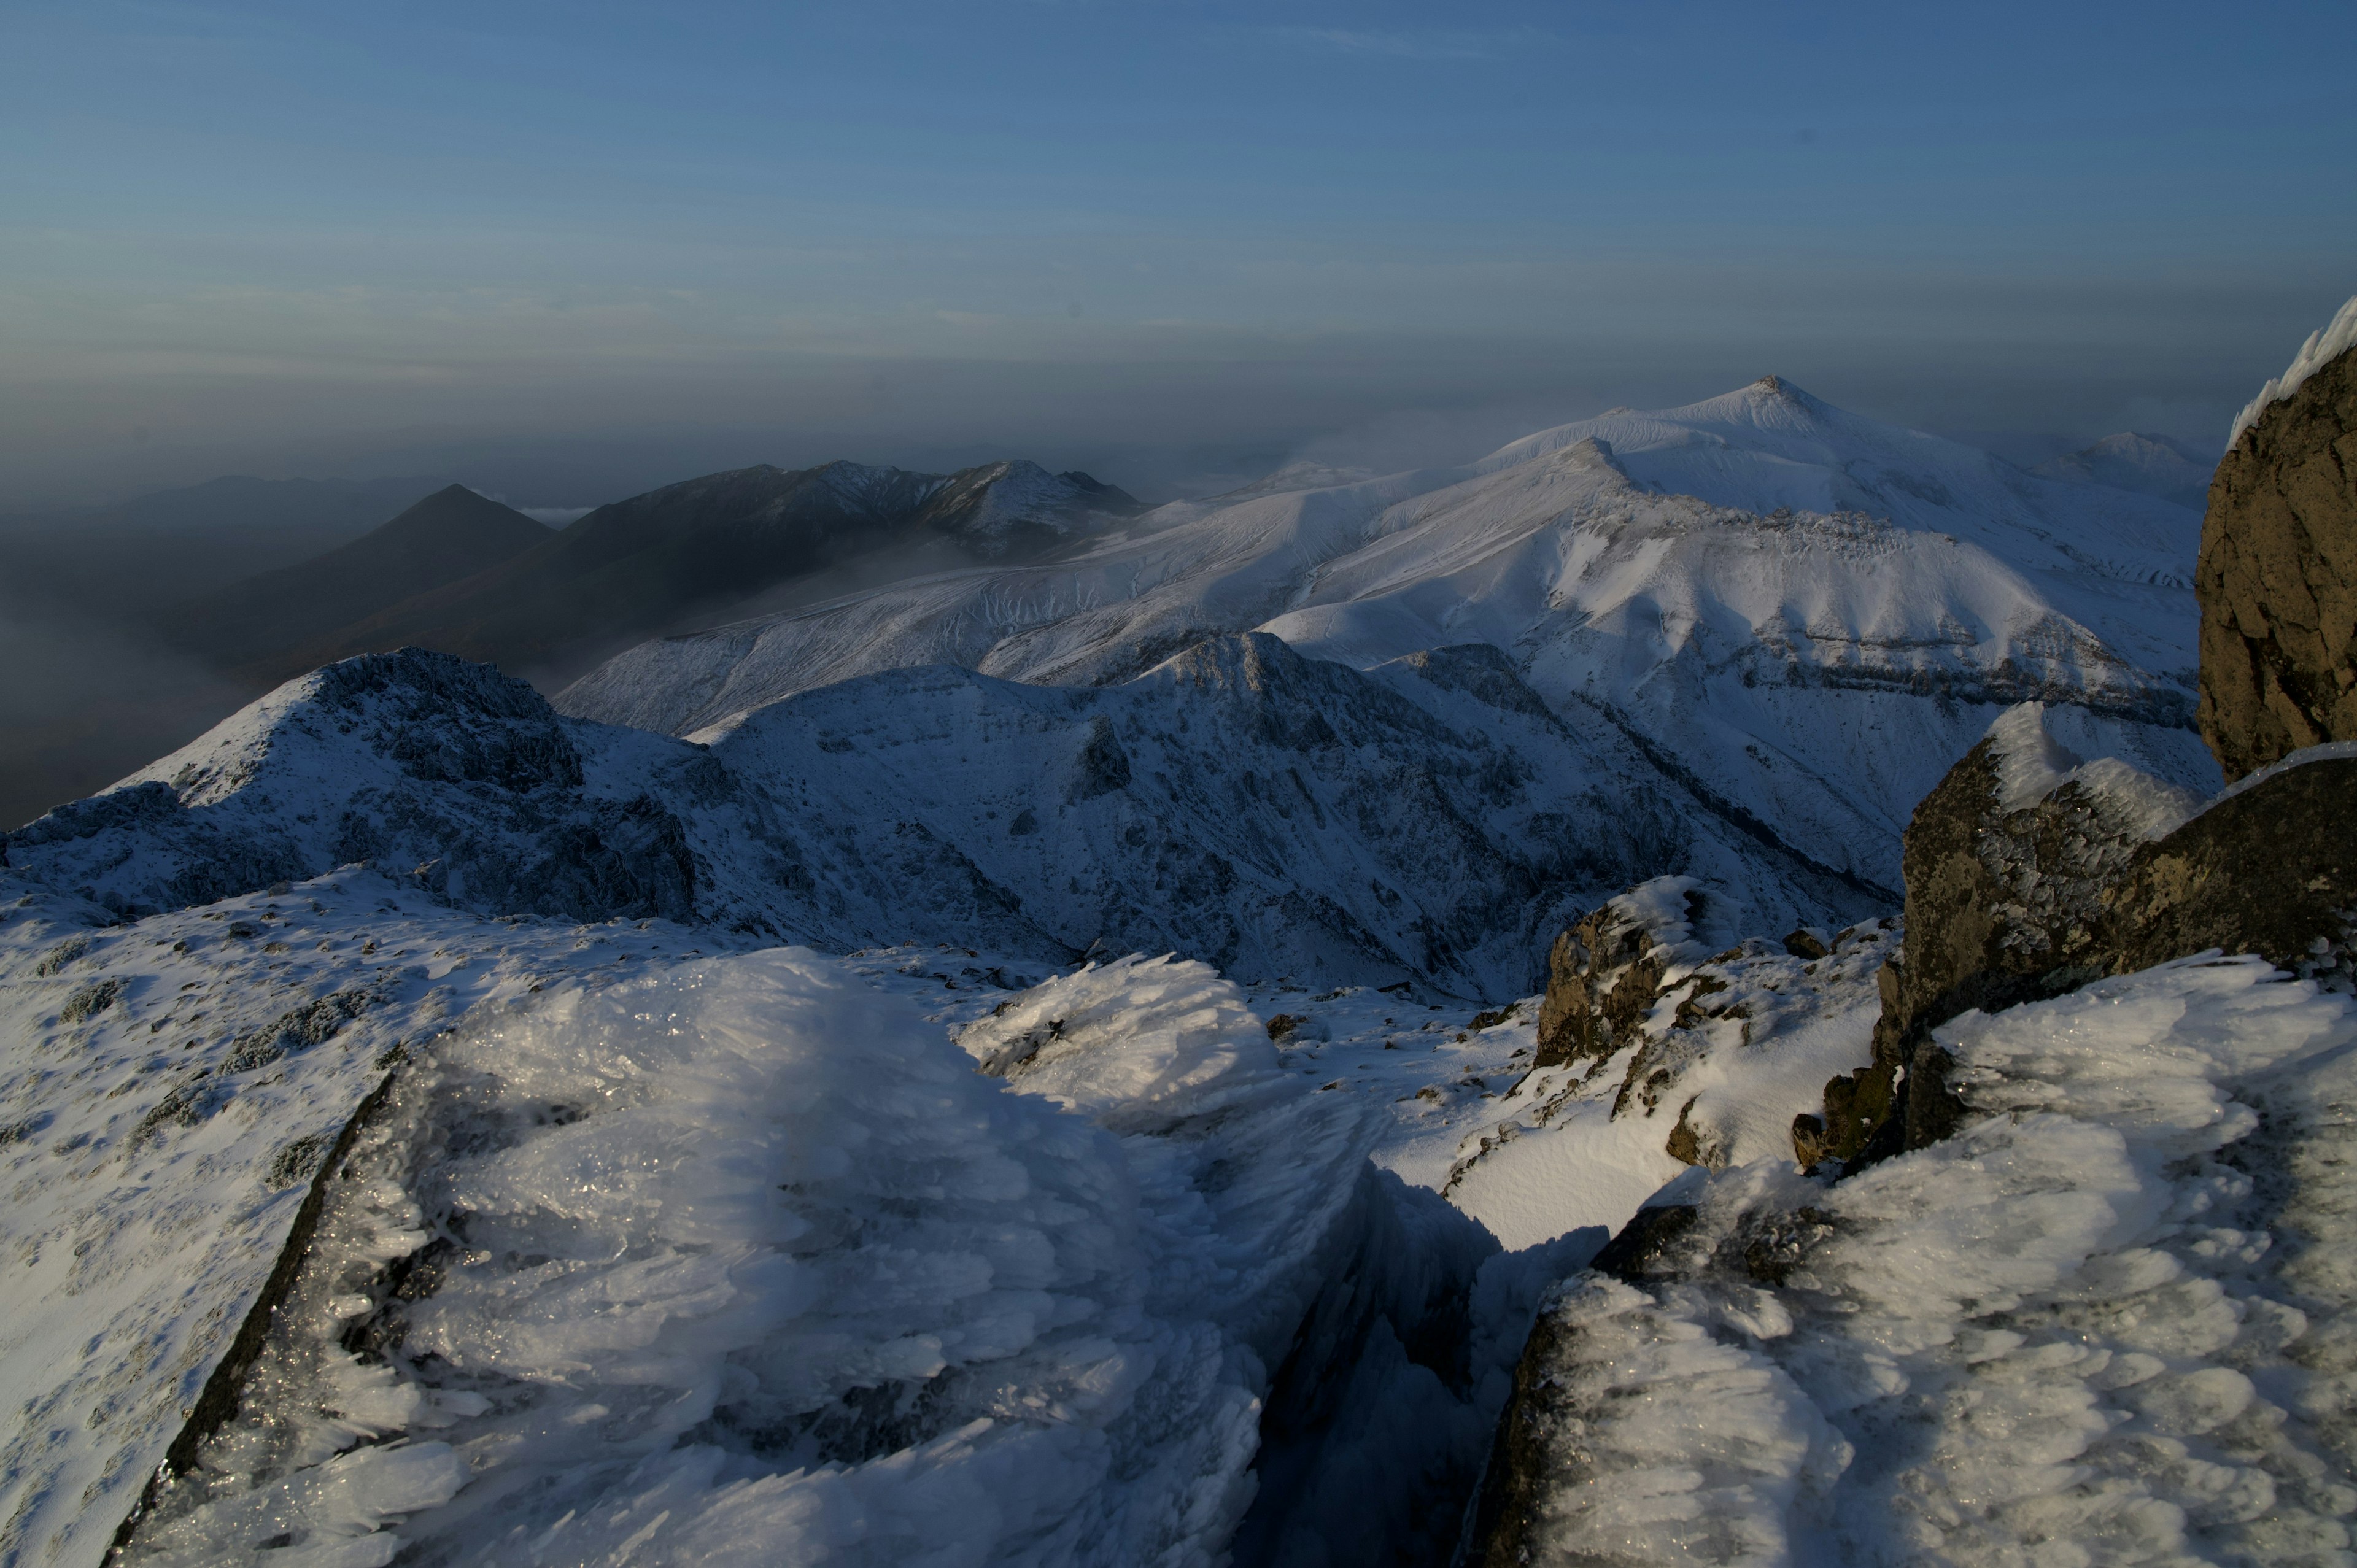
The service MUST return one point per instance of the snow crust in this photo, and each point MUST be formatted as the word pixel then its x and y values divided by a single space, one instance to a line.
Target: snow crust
pixel 2327 343
pixel 2102 1325
pixel 2327 751
pixel 2031 764
pixel 758 1293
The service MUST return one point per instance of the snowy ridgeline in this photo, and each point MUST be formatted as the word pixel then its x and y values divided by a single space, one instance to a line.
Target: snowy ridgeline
pixel 1277 816
pixel 1812 611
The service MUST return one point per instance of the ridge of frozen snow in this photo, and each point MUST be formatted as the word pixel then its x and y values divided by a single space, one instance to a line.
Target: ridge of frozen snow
pixel 2324 751
pixel 2325 345
pixel 2031 764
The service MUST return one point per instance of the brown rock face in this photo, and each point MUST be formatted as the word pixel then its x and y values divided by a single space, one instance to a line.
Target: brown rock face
pixel 2278 579
pixel 2003 905
pixel 1602 975
pixel 2005 908
pixel 2271 871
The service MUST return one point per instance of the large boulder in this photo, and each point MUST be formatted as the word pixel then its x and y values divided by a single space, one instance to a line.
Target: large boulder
pixel 2277 578
pixel 2007 861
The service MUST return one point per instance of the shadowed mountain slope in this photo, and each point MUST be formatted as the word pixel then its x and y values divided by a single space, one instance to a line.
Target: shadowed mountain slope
pixel 660 561
pixel 451 534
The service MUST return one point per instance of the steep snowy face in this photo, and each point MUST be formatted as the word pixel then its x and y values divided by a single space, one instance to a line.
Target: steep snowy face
pixel 1800 605
pixel 1772 445
pixel 450 772
pixel 1271 814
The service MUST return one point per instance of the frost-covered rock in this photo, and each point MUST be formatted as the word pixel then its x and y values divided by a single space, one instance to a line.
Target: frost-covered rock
pixel 2278 570
pixel 1604 973
pixel 2105 1322
pixel 1727 1048
pixel 2010 863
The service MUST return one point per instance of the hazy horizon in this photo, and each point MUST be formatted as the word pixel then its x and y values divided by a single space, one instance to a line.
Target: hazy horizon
pixel 565 255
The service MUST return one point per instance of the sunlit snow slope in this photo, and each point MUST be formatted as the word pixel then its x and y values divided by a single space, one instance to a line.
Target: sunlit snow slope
pixel 1813 612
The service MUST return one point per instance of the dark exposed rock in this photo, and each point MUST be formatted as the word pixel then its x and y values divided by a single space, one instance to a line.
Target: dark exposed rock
pixel 2270 869
pixel 89 1001
pixel 2007 861
pixel 2278 579
pixel 1646 1246
pixel 2007 906
pixel 1102 766
pixel 1537 1455
pixel 1603 975
pixel 299 1030
pixel 1807 942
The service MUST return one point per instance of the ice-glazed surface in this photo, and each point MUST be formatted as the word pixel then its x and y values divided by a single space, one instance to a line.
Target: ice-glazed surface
pixel 2031 764
pixel 745 1261
pixel 2108 1323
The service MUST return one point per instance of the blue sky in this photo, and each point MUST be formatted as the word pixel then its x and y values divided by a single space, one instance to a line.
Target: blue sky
pixel 563 250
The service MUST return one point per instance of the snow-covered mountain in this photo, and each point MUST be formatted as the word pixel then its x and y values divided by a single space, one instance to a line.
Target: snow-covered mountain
pixel 2149 465
pixel 1811 612
pixel 1429 821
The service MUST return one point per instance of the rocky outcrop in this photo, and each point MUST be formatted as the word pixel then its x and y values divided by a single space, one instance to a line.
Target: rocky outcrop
pixel 2107 872
pixel 2277 578
pixel 2007 861
pixel 2271 869
pixel 1604 973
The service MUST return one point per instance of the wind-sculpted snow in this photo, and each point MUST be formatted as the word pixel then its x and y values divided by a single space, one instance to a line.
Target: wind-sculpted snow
pixel 1813 612
pixel 744 1262
pixel 157 1151
pixel 1270 814
pixel 2106 1324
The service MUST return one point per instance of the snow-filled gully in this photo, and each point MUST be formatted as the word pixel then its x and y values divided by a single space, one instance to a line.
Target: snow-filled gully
pixel 741 1260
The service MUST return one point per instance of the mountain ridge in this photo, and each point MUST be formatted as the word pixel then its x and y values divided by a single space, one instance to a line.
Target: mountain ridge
pixel 1818 667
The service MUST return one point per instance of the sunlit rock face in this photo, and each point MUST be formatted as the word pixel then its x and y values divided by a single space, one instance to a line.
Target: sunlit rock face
pixel 2278 578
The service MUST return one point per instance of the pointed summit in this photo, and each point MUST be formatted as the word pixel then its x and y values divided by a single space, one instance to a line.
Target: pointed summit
pixel 451 534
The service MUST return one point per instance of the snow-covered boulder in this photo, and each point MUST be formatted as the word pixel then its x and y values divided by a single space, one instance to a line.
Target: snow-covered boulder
pixel 2008 864
pixel 2106 1322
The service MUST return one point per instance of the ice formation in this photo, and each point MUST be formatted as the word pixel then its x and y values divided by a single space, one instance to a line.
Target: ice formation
pixel 2323 346
pixel 741 1260
pixel 2108 1324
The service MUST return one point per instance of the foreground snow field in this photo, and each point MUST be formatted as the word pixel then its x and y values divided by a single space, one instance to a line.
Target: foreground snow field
pixel 656 1255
